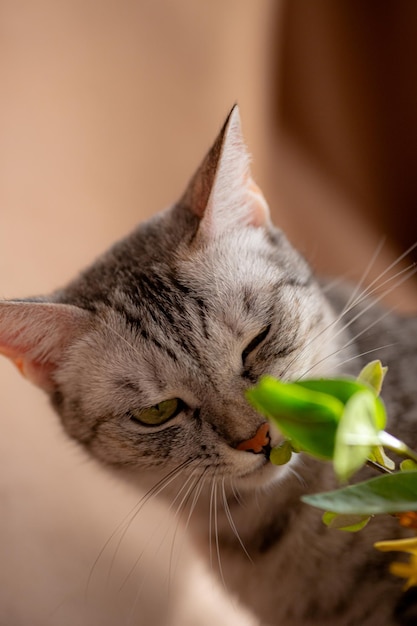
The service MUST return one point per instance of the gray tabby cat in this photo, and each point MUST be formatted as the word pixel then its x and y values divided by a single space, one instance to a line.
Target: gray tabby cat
pixel 146 357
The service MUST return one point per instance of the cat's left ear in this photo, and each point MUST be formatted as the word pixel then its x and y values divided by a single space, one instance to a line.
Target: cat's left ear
pixel 223 193
pixel 35 336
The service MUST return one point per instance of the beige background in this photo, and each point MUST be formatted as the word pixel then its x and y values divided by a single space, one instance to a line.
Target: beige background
pixel 106 108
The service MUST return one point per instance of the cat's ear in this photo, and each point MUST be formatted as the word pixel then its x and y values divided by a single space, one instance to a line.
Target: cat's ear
pixel 35 335
pixel 222 192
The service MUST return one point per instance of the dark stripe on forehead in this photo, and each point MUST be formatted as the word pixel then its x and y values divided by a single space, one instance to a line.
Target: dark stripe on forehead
pixel 172 300
pixel 159 345
pixel 200 305
pixel 202 310
pixel 158 295
pixel 173 324
pixel 136 326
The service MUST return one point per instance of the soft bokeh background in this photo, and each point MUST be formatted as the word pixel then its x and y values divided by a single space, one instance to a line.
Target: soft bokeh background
pixel 106 108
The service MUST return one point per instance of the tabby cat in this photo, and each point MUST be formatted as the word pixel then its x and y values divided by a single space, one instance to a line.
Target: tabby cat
pixel 146 357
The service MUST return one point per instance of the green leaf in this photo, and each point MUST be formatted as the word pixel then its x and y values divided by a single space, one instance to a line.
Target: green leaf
pixel 350 523
pixel 378 455
pixel 281 453
pixel 408 465
pixel 341 388
pixel 308 417
pixel 356 435
pixel 391 493
pixel 373 374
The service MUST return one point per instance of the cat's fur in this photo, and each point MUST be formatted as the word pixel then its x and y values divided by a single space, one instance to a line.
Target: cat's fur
pixel 171 312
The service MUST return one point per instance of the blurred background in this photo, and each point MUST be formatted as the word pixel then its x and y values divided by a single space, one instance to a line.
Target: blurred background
pixel 106 109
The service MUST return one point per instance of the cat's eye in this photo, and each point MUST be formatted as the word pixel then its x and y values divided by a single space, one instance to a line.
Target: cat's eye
pixel 158 413
pixel 256 341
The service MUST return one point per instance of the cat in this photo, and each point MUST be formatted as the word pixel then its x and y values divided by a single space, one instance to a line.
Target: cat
pixel 146 357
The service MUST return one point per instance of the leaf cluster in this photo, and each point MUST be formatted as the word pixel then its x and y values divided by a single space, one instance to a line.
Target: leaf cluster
pixel 342 420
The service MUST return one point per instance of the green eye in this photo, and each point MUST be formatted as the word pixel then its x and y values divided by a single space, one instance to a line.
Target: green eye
pixel 159 413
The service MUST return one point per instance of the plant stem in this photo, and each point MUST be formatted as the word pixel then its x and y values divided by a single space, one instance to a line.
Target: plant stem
pixel 377 466
pixel 396 445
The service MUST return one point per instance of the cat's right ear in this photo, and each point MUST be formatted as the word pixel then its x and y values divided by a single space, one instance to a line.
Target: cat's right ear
pixel 35 336
pixel 222 192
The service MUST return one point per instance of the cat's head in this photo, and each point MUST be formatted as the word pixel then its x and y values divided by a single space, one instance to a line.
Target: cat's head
pixel 146 356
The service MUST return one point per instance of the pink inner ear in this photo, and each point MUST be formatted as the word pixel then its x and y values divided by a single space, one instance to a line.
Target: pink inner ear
pixel 258 206
pixel 35 371
pixel 34 336
pixel 39 373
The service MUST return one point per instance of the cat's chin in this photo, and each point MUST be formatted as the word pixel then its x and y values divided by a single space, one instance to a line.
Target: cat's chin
pixel 262 477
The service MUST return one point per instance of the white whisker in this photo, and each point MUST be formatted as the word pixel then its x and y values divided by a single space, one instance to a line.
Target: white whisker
pixel 298 476
pixel 368 292
pixel 364 275
pixel 346 345
pixel 211 523
pixel 406 273
pixel 393 264
pixel 124 525
pixel 232 523
pixel 373 303
pixel 177 515
pixel 216 531
pixel 236 494
pixel 156 529
pixel 343 328
pixel 183 488
pixel 357 356
pixel 198 486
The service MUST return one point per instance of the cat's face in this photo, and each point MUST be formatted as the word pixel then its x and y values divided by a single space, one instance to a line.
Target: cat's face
pixel 148 354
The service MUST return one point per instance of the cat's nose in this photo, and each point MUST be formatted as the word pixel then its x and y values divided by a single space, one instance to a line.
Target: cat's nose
pixel 260 443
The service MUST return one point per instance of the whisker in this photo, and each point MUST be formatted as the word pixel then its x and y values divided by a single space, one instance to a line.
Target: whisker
pixel 154 533
pixel 357 356
pixel 365 274
pixel 347 344
pixel 211 523
pixel 198 487
pixel 366 293
pixel 393 264
pixel 177 516
pixel 232 523
pixel 370 289
pixel 407 273
pixel 301 479
pixel 216 531
pixel 127 520
pixel 236 494
pixel 155 553
pixel 372 303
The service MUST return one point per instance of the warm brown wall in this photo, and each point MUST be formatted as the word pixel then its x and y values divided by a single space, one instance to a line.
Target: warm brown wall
pixel 346 96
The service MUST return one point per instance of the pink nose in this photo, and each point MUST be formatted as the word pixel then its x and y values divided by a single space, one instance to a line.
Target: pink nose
pixel 259 443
